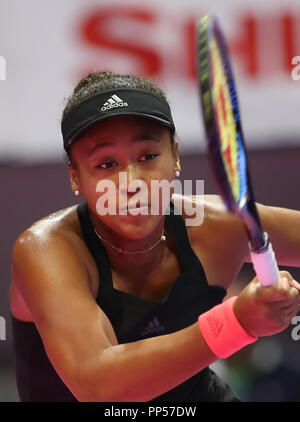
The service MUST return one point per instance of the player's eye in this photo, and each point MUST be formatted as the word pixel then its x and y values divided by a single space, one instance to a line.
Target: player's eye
pixel 106 165
pixel 148 157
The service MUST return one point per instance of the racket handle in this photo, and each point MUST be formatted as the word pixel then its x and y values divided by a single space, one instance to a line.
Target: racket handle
pixel 265 266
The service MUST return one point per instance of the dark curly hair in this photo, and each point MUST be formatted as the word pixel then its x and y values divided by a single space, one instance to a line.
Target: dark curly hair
pixel 97 82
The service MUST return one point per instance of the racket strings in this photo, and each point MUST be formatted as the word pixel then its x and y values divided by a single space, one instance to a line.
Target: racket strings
pixel 224 100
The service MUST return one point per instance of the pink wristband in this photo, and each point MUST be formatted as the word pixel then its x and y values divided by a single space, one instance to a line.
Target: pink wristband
pixel 222 331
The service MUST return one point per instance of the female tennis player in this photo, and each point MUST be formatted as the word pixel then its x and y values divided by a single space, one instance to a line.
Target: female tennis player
pixel 123 307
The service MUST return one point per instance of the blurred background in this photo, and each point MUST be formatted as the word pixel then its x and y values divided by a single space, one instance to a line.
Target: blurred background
pixel 46 47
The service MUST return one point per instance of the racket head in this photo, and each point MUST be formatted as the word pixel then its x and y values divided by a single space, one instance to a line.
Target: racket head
pixel 221 116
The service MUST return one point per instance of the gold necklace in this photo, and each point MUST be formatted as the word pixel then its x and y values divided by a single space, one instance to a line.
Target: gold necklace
pixel 161 239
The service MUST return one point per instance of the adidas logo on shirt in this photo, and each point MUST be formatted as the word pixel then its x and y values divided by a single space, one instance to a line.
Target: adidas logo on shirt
pixel 113 102
pixel 154 326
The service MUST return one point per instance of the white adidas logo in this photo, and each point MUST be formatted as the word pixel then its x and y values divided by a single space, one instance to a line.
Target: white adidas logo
pixel 113 102
pixel 154 326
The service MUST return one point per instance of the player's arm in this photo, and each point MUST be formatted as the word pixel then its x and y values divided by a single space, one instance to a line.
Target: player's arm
pixel 79 339
pixel 283 228
pixel 281 224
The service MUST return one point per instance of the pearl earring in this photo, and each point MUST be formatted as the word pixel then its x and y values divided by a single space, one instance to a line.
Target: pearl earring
pixel 177 173
pixel 76 192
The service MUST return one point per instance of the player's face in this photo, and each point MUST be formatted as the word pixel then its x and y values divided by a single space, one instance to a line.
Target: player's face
pixel 115 154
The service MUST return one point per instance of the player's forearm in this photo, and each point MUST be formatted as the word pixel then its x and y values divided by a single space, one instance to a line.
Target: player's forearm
pixel 283 227
pixel 142 370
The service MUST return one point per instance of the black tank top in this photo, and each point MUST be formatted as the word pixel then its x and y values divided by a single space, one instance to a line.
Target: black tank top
pixel 133 319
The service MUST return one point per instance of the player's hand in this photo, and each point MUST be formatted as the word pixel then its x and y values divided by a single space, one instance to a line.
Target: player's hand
pixel 264 311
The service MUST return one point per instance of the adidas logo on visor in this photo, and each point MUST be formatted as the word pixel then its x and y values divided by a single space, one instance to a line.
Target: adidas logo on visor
pixel 113 102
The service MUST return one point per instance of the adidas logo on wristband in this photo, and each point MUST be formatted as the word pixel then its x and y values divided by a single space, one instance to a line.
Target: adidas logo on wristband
pixel 214 325
pixel 113 102
pixel 222 331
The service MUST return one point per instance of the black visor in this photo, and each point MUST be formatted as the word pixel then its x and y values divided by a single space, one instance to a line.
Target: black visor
pixel 114 102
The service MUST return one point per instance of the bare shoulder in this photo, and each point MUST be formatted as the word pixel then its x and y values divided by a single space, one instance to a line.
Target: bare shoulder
pixel 59 232
pixel 213 221
pixel 48 247
pixel 210 207
pixel 219 240
pixel 53 231
pixel 60 227
pixel 59 222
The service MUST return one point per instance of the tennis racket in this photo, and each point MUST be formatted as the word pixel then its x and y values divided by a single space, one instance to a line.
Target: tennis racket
pixel 225 143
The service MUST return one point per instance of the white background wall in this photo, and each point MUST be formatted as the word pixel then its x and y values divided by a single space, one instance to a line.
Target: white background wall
pixel 46 53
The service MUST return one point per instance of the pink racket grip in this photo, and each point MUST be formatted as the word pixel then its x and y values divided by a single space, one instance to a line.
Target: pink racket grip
pixel 265 266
